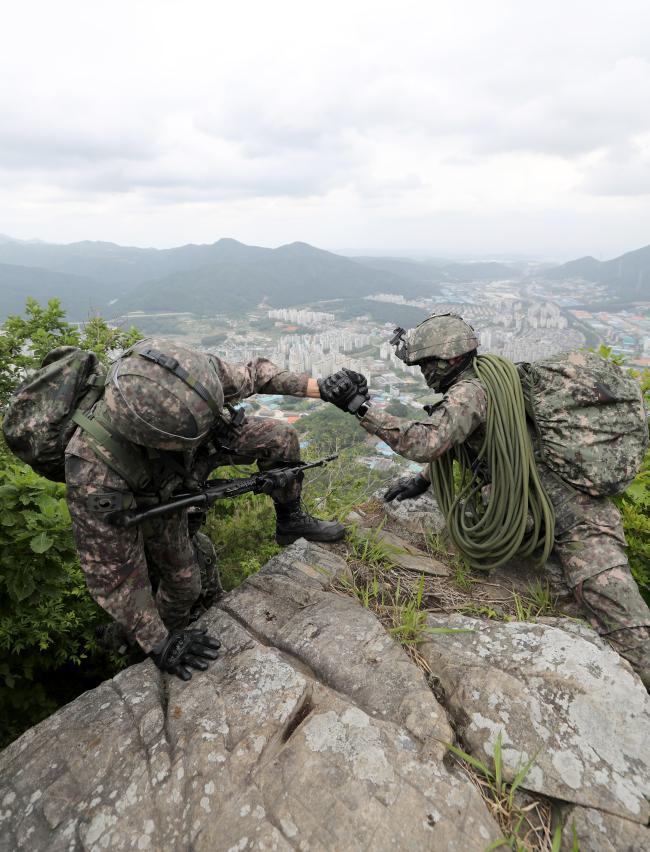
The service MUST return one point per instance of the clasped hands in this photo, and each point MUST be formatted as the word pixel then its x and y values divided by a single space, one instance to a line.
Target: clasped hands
pixel 345 389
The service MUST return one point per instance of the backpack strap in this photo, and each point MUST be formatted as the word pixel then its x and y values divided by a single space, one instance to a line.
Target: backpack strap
pixel 124 460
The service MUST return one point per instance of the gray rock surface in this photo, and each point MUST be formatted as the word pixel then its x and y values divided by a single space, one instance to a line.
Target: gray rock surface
pixel 559 695
pixel 418 515
pixel 602 832
pixel 313 731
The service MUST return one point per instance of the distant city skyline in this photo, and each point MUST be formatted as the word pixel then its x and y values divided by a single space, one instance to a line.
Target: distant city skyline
pixel 465 129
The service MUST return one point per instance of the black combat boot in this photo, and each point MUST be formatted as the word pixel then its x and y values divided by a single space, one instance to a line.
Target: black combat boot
pixel 294 523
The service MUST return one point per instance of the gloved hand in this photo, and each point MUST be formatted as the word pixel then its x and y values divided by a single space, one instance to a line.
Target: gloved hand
pixel 407 488
pixel 345 389
pixel 185 649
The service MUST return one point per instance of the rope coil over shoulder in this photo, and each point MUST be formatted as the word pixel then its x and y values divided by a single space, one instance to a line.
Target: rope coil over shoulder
pixel 489 536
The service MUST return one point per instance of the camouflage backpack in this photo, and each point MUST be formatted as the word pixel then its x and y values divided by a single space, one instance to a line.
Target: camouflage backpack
pixel 589 418
pixel 39 421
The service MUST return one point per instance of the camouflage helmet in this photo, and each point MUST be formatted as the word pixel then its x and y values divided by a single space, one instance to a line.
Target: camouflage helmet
pixel 442 336
pixel 163 395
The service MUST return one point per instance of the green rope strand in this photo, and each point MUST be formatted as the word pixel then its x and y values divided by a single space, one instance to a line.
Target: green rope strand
pixel 492 534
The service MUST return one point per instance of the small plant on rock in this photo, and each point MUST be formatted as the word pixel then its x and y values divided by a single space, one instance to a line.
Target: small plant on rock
pixel 526 826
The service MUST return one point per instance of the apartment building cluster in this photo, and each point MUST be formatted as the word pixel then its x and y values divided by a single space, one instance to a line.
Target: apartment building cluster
pixel 298 316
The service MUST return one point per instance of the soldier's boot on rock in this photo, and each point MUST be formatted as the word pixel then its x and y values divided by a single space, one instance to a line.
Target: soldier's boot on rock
pixel 293 522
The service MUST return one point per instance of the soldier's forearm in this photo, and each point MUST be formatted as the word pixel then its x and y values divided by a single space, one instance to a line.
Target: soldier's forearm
pixel 419 442
pixel 287 384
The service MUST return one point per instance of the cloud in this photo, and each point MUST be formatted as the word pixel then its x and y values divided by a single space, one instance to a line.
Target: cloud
pixel 623 170
pixel 407 112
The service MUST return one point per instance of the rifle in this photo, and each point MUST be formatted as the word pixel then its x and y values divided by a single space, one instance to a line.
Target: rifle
pixel 219 489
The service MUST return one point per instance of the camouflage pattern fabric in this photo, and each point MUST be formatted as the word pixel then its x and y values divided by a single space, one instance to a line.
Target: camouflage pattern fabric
pixel 258 376
pixel 115 561
pixel 272 443
pixel 37 423
pixel 589 538
pixel 439 336
pixel 459 417
pixel 164 395
pixel 590 420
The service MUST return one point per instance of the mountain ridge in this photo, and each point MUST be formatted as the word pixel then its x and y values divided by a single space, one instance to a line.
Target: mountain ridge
pixel 229 276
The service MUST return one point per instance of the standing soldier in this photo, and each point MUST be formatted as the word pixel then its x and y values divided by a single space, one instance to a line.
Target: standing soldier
pixel 588 535
pixel 163 423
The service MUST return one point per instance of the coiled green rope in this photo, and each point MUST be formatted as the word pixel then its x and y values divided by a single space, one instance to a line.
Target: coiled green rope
pixel 490 535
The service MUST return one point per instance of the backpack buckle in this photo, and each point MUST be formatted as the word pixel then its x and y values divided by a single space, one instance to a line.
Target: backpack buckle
pixel 167 362
pixel 157 357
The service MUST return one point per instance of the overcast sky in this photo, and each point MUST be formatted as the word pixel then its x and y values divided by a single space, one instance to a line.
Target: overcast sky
pixel 485 127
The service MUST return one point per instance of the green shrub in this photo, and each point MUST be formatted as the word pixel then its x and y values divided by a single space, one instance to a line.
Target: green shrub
pixel 635 510
pixel 24 340
pixel 47 617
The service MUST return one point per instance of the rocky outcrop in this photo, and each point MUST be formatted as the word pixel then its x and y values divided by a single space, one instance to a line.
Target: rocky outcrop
pixel 313 731
pixel 559 696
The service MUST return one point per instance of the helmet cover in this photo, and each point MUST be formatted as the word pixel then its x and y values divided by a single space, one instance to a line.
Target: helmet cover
pixel 441 336
pixel 163 395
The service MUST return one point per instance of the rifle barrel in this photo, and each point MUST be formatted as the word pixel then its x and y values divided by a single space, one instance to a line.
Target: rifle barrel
pixel 206 497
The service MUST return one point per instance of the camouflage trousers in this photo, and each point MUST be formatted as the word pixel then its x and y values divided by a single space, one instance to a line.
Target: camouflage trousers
pixel 590 544
pixel 120 564
pixel 272 443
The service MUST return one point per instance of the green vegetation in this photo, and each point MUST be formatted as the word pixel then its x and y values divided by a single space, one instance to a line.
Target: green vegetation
pixel 404 315
pixel 524 826
pixel 438 546
pixel 398 603
pixel 24 340
pixel 48 653
pixel 331 429
pixel 367 546
pixel 635 509
pixel 634 503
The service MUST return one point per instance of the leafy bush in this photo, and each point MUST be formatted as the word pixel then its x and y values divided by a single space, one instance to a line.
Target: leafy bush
pixel 47 617
pixel 243 531
pixel 24 341
pixel 331 429
pixel 635 510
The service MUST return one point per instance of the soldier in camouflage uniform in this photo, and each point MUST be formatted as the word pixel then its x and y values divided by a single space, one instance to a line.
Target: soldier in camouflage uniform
pixel 160 428
pixel 589 538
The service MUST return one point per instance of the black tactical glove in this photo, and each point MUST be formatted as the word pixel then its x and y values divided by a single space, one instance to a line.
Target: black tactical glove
pixel 345 389
pixel 407 488
pixel 185 649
